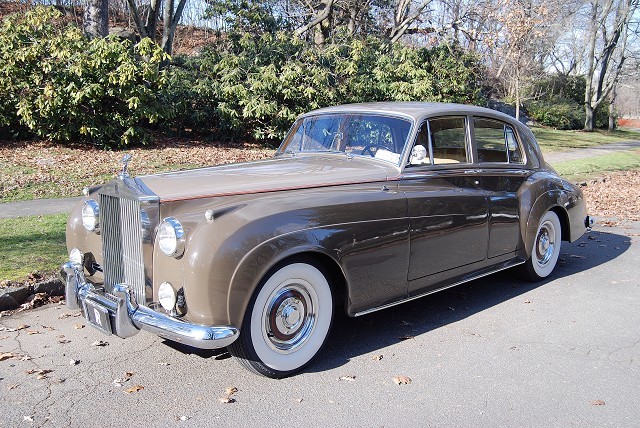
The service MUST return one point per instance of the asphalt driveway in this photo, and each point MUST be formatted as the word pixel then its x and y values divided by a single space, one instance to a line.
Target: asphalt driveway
pixel 494 352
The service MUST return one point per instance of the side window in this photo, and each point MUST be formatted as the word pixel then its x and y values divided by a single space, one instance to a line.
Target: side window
pixel 496 142
pixel 448 140
pixel 420 152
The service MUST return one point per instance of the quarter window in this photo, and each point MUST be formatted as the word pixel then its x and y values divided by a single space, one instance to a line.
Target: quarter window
pixel 496 142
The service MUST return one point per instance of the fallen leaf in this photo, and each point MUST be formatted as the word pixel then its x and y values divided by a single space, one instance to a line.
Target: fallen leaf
pixel 32 332
pixel 48 328
pixel 30 371
pixel 25 358
pixel 230 390
pixel 4 337
pixel 128 375
pixel 100 343
pixel 44 371
pixel 7 355
pixel 64 341
pixel 78 326
pixel 135 388
pixel 527 301
pixel 227 400
pixel 377 357
pixel 402 380
pixel 597 403
pixel 22 327
pixel 348 378
pixel 10 387
pixel 41 376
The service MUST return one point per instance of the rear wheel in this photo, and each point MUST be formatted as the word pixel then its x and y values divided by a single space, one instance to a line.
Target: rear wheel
pixel 287 321
pixel 546 248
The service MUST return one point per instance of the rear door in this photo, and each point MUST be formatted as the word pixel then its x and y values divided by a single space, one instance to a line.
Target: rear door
pixel 501 172
pixel 448 211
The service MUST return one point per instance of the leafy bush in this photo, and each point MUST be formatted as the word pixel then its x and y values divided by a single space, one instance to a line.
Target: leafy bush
pixel 255 86
pixel 557 113
pixel 61 86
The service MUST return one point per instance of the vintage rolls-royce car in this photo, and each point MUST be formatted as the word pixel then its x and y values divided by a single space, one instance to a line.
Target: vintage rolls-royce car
pixel 362 207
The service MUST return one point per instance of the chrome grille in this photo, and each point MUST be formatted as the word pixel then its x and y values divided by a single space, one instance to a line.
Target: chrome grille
pixel 121 232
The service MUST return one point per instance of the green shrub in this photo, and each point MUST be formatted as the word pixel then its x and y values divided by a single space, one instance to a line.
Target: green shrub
pixel 61 86
pixel 255 85
pixel 557 113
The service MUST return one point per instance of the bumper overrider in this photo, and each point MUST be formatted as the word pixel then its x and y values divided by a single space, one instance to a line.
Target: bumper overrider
pixel 120 314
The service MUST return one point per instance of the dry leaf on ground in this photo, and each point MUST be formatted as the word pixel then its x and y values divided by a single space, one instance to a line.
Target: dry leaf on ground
pixel 7 355
pixel 402 380
pixel 597 403
pixel 134 388
pixel 348 378
pixel 230 390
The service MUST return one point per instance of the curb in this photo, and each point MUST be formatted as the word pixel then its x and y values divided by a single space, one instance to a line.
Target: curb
pixel 13 297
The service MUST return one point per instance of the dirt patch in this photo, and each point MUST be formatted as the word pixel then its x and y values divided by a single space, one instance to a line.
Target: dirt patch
pixel 615 195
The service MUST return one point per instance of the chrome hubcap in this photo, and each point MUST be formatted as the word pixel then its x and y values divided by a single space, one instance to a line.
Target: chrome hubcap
pixel 545 243
pixel 289 318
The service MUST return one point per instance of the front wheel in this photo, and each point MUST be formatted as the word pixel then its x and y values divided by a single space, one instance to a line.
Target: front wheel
pixel 287 321
pixel 546 248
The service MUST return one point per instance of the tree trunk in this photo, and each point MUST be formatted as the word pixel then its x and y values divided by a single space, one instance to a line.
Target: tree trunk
pixel 613 115
pixel 588 122
pixel 96 19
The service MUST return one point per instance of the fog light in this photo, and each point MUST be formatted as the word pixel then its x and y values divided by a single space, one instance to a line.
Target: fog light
pixel 167 296
pixel 76 257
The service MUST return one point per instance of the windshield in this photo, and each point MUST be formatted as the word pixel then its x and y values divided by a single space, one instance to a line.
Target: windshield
pixel 370 135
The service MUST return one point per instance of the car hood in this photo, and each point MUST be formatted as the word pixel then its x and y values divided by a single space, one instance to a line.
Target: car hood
pixel 267 176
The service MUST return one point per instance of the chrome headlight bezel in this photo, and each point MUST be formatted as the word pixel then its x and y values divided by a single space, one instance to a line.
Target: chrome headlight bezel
pixel 91 215
pixel 170 237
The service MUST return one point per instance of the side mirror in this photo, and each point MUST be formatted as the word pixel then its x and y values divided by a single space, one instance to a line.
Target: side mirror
pixel 418 155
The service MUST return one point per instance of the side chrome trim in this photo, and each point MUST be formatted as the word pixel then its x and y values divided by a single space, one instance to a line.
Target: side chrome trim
pixel 127 318
pixel 500 267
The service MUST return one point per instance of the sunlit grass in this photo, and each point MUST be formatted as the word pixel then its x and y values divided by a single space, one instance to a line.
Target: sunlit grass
pixel 31 243
pixel 588 168
pixel 554 140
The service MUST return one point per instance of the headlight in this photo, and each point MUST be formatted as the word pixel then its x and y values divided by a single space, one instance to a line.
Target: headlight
pixel 91 215
pixel 171 237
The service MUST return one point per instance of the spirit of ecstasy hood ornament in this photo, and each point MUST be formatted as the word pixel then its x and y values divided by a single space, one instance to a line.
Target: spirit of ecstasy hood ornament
pixel 125 163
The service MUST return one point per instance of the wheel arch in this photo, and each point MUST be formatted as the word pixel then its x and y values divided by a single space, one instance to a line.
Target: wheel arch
pixel 266 259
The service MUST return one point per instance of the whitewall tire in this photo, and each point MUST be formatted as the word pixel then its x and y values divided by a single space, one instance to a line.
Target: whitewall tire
pixel 546 248
pixel 287 321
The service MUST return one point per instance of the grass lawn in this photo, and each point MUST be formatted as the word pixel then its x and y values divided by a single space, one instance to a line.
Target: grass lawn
pixel 554 140
pixel 588 168
pixel 32 243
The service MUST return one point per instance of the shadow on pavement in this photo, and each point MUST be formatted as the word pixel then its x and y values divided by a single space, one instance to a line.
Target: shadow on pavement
pixel 351 337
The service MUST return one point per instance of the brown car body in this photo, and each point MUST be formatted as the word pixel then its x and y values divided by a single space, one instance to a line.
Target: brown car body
pixel 383 234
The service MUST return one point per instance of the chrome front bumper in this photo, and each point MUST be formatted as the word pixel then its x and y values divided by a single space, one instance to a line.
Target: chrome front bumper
pixel 119 314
